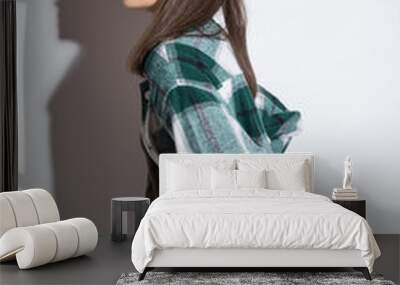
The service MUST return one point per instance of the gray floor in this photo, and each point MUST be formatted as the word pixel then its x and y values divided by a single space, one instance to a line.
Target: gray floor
pixel 103 266
pixel 106 264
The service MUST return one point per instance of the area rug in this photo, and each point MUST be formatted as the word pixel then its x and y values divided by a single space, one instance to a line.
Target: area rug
pixel 268 278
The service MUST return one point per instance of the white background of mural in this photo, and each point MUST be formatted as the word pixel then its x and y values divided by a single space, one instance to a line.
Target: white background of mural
pixel 339 63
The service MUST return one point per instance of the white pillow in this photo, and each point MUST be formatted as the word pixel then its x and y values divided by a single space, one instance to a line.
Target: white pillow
pixel 292 179
pixel 188 177
pixel 226 179
pixel 288 174
pixel 223 179
pixel 251 178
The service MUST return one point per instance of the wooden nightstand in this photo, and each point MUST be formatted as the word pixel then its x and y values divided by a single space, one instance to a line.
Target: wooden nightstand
pixel 357 206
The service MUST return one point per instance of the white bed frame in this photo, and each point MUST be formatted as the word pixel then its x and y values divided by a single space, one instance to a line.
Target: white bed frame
pixel 250 258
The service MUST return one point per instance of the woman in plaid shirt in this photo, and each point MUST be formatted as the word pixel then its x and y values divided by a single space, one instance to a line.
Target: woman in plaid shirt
pixel 200 94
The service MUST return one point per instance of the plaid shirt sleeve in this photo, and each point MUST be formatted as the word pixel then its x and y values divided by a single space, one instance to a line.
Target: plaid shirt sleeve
pixel 188 103
pixel 280 123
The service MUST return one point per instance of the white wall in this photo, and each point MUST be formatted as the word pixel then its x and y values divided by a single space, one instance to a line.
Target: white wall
pixel 338 62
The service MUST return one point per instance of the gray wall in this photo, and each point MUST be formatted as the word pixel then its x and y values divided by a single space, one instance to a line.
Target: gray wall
pixel 79 106
pixel 335 61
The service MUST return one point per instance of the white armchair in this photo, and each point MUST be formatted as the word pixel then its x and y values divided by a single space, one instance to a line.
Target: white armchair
pixel 31 230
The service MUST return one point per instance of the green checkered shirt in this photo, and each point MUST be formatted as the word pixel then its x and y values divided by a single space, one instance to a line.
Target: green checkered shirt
pixel 196 100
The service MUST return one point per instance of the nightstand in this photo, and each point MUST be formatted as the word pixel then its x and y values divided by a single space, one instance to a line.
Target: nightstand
pixel 119 207
pixel 357 206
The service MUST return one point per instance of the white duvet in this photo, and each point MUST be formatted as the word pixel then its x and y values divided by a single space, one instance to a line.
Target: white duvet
pixel 252 218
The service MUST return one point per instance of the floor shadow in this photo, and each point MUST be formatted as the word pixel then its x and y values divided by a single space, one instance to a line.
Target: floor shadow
pixel 95 112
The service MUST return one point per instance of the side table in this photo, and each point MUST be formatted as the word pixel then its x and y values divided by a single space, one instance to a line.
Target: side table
pixel 357 206
pixel 121 206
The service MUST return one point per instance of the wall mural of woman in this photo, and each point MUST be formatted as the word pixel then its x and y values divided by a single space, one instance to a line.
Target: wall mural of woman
pixel 200 93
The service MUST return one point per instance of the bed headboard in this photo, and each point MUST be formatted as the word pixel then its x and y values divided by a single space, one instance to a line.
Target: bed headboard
pixel 210 159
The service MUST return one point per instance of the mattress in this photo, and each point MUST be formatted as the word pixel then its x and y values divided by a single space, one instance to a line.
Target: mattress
pixel 250 219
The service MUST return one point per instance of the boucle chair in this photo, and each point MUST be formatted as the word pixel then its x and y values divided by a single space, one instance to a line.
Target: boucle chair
pixel 31 230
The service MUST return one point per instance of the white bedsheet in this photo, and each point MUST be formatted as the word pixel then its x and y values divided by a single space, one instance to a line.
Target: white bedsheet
pixel 250 218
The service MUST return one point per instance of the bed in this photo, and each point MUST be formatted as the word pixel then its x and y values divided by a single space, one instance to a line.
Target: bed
pixel 247 211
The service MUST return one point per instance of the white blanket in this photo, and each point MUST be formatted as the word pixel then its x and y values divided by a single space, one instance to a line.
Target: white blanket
pixel 250 218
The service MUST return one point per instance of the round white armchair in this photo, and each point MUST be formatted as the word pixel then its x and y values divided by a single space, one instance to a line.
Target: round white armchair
pixel 31 230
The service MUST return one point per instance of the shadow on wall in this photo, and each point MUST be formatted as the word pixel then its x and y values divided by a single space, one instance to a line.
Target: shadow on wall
pixel 95 112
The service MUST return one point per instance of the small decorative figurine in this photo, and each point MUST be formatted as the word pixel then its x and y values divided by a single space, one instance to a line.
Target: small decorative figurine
pixel 347 174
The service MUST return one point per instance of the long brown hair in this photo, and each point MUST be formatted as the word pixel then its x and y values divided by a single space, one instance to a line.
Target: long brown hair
pixel 173 18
